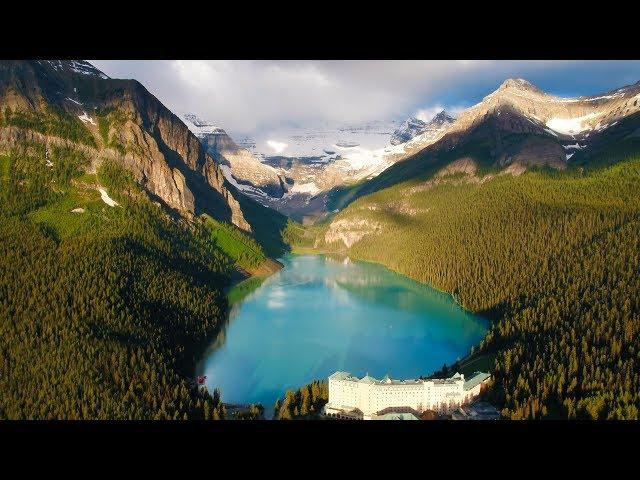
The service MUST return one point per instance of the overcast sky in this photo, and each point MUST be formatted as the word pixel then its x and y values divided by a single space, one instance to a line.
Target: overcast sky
pixel 248 97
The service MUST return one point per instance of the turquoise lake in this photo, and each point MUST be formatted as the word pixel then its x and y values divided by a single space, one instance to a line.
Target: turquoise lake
pixel 320 314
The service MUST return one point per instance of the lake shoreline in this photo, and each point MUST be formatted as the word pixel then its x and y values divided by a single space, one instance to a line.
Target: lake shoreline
pixel 237 277
pixel 321 314
pixel 491 316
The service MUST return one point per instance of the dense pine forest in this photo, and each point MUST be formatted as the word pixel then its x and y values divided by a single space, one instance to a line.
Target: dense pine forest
pixel 104 309
pixel 303 403
pixel 551 256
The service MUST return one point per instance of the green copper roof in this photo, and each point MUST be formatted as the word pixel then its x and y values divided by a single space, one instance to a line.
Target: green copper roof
pixel 368 379
pixel 396 416
pixel 478 377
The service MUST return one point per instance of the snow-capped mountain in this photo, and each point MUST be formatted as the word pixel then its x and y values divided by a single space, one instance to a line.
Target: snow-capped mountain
pixel 570 125
pixel 317 160
pixel 201 127
pixel 75 66
pixel 239 166
pixel 562 117
pixel 412 127
pixel 513 129
pixel 294 170
pixel 518 106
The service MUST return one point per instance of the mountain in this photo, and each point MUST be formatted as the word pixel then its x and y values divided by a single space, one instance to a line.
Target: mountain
pixel 412 127
pixel 240 167
pixel 294 177
pixel 516 127
pixel 526 210
pixel 293 171
pixel 119 236
pixel 580 125
pixel 71 104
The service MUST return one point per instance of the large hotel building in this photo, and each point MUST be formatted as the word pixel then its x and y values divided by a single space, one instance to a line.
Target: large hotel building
pixel 368 398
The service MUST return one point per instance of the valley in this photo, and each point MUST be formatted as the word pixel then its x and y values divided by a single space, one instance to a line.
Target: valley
pixel 141 249
pixel 296 177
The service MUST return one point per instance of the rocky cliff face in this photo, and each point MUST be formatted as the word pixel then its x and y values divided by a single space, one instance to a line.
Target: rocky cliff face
pixel 244 169
pixel 73 103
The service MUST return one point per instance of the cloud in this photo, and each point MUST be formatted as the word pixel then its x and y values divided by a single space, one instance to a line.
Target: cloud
pixel 248 97
pixel 277 147
pixel 276 298
pixel 426 114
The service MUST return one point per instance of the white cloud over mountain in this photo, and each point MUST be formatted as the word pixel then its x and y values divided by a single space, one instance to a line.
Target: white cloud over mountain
pixel 246 97
pixel 426 114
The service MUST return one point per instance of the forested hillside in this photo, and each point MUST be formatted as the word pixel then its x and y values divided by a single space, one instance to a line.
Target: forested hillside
pixel 118 236
pixel 303 403
pixel 552 256
pixel 103 308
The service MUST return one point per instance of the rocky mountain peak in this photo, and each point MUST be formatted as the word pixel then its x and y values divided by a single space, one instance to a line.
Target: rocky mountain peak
pixel 75 66
pixel 442 118
pixel 409 129
pixel 142 135
pixel 518 84
pixel 414 122
pixel 412 127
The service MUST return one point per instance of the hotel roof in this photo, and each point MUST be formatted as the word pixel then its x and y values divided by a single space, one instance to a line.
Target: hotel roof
pixel 395 416
pixel 478 377
pixel 368 379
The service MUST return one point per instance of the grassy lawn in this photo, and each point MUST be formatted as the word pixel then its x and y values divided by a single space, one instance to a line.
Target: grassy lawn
pixel 89 178
pixel 58 214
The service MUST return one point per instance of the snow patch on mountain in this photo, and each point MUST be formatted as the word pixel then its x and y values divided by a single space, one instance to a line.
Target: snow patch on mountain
pixel 248 189
pixel 77 66
pixel 576 146
pixel 571 126
pixel 86 118
pixel 591 99
pixel 310 188
pixel 200 127
pixel 85 68
pixel 106 198
pixel 321 142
